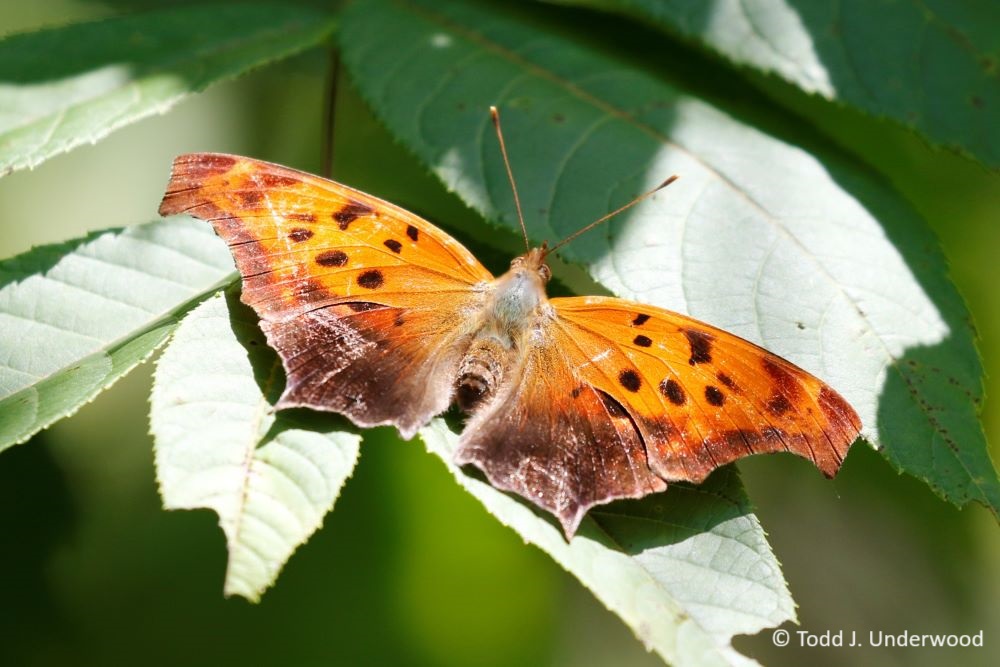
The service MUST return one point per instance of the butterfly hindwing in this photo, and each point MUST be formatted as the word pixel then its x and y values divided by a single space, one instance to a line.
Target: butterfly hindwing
pixel 564 445
pixel 362 299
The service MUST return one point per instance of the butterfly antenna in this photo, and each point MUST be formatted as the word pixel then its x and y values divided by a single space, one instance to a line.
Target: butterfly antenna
pixel 495 115
pixel 612 214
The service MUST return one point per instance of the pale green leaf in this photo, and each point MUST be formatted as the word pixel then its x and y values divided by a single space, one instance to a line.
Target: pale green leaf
pixel 67 86
pixel 931 66
pixel 76 316
pixel 784 242
pixel 271 477
pixel 686 569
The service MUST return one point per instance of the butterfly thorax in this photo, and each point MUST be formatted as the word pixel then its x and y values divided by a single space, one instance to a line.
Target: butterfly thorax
pixel 516 303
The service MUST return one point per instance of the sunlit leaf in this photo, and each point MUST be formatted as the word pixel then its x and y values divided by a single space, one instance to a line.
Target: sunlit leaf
pixel 67 86
pixel 76 316
pixel 271 477
pixel 931 66
pixel 686 569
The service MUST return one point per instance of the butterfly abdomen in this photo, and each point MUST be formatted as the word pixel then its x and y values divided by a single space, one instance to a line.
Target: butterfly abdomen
pixel 480 372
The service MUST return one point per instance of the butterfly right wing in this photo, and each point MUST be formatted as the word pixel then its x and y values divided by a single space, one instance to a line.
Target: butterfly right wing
pixel 367 305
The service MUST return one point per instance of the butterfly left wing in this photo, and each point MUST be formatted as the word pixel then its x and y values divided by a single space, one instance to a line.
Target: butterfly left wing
pixel 365 302
pixel 664 398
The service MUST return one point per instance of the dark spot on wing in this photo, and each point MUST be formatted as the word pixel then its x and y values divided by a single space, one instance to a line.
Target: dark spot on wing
pixel 214 164
pixel 350 212
pixel 714 396
pixel 249 198
pixel 332 258
pixel 629 379
pixel 302 217
pixel 726 380
pixel 701 346
pixel 778 404
pixel 399 321
pixel 673 391
pixel 299 235
pixel 393 245
pixel 784 382
pixel 362 306
pixel 311 291
pixel 412 232
pixel 642 341
pixel 576 391
pixel 371 279
pixel 640 319
pixel 276 180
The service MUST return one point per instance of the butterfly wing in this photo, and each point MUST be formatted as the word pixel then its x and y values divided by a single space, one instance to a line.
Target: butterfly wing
pixel 563 444
pixel 366 303
pixel 702 397
pixel 623 396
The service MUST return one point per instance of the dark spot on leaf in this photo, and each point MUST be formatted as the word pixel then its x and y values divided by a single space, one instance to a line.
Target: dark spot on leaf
pixel 642 341
pixel 629 379
pixel 800 325
pixel 673 391
pixel 393 245
pixel 332 258
pixel 977 102
pixel 640 319
pixel 559 118
pixel 371 279
pixel 701 346
pixel 412 232
pixel 299 235
pixel 714 396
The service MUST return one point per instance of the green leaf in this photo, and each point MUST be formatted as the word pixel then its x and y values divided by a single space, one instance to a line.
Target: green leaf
pixel 63 87
pixel 686 569
pixel 270 477
pixel 777 238
pixel 933 67
pixel 76 316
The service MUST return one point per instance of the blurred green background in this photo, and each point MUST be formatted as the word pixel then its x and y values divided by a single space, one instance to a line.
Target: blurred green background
pixel 409 570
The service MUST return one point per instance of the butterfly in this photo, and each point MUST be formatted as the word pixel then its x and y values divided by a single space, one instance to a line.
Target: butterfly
pixel 572 402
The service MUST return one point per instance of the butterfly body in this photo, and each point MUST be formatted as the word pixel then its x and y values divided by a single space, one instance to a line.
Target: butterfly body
pixel 514 313
pixel 572 402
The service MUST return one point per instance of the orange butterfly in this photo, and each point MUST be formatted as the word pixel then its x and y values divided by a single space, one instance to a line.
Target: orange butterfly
pixel 574 402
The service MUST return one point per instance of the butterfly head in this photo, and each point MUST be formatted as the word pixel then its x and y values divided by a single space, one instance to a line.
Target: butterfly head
pixel 533 262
